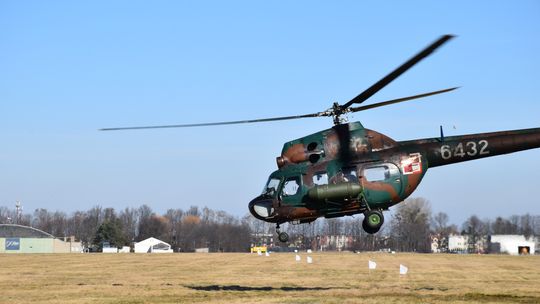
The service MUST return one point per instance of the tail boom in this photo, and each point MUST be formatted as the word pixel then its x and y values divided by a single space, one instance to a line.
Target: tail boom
pixel 455 149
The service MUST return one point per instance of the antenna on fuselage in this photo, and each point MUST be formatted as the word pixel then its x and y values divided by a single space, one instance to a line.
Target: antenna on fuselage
pixel 442 134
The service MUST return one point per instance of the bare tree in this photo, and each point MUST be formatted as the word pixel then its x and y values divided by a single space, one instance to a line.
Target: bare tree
pixel 6 216
pixel 503 226
pixel 154 226
pixel 442 230
pixel 74 224
pixel 194 211
pixel 43 220
pixel 92 220
pixel 536 225
pixel 189 239
pixel 526 225
pixel 129 222
pixel 174 216
pixel 333 226
pixel 59 224
pixel 410 226
pixel 144 212
pixel 476 230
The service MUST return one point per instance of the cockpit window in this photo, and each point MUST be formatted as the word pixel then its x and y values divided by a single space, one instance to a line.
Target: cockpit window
pixel 272 186
pixel 320 178
pixel 291 186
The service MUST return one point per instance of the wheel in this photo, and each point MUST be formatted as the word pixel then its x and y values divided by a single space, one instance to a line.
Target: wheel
pixel 369 229
pixel 373 220
pixel 283 237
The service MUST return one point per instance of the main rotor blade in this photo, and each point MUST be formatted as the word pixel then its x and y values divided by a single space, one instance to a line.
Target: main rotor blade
pixel 219 123
pixel 392 101
pixel 397 72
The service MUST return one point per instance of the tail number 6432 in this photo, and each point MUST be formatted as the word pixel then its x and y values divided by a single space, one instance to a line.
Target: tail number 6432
pixel 470 148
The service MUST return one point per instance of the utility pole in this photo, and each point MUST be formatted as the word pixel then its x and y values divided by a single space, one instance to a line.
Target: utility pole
pixel 19 208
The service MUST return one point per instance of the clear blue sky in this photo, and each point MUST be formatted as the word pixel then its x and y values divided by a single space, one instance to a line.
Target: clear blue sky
pixel 69 68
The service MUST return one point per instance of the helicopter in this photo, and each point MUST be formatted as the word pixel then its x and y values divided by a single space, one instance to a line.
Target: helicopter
pixel 348 169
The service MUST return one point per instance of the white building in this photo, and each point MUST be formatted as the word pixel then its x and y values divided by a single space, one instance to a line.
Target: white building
pixel 511 244
pixel 458 243
pixel 109 250
pixel 124 249
pixel 152 245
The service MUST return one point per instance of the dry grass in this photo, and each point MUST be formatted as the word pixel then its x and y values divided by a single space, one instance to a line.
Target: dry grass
pixel 245 278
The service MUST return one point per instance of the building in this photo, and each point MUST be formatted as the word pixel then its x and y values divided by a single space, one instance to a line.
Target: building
pixel 465 244
pixel 262 239
pixel 334 242
pixel 511 244
pixel 24 239
pixel 152 245
pixel 124 249
pixel 458 244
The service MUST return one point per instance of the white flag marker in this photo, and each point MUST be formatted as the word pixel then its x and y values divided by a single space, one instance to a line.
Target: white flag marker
pixel 298 259
pixel 372 265
pixel 309 260
pixel 403 269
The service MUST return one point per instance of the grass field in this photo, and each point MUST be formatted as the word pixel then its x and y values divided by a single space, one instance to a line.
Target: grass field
pixel 248 278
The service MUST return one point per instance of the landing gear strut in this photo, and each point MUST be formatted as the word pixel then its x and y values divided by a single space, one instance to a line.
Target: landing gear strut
pixel 373 221
pixel 282 236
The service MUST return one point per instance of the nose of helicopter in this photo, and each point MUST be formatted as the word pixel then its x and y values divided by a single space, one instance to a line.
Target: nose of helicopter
pixel 262 208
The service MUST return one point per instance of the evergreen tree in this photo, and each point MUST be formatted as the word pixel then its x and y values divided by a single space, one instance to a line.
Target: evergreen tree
pixel 110 231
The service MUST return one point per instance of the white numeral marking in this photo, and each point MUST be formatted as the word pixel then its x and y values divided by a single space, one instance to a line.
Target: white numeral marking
pixel 446 153
pixel 471 149
pixel 459 151
pixel 472 146
pixel 483 147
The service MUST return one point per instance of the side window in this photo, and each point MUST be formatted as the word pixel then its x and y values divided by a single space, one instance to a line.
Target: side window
pixel 346 175
pixel 349 174
pixel 320 178
pixel 375 174
pixel 291 186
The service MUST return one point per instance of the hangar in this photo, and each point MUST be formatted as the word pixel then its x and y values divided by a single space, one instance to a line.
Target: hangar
pixel 512 244
pixel 24 239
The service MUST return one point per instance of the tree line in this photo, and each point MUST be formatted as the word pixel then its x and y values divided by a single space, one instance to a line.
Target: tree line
pixel 411 227
pixel 185 230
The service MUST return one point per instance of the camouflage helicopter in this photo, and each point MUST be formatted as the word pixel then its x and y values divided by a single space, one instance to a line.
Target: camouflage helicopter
pixel 348 169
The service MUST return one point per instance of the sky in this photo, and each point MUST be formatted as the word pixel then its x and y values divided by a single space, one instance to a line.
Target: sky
pixel 69 68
